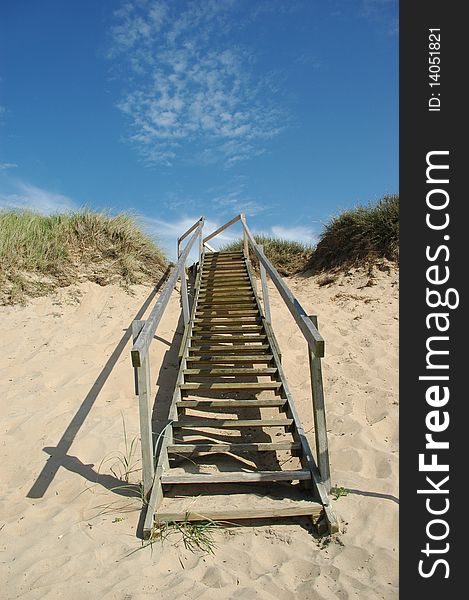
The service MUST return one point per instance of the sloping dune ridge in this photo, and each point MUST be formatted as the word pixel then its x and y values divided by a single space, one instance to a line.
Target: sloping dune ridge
pixel 68 527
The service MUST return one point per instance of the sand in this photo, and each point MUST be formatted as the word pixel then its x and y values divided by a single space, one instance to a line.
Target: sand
pixel 66 385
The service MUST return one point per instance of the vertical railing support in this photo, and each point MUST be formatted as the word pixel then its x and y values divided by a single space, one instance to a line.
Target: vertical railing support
pixel 201 247
pixel 184 296
pixel 245 237
pixel 146 435
pixel 265 291
pixel 137 327
pixel 319 413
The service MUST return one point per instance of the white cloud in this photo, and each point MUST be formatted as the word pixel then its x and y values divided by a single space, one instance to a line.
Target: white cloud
pixel 191 95
pixel 6 166
pixel 300 233
pixel 167 232
pixel 26 195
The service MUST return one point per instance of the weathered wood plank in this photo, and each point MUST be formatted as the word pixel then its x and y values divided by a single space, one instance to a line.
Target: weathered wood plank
pixel 319 413
pixel 231 386
pixel 231 423
pixel 265 291
pixel 227 349
pixel 211 359
pixel 241 447
pixel 219 328
pixel 236 477
pixel 140 348
pixel 229 371
pixel 222 228
pixel 232 404
pixel 313 509
pixel 146 435
pixel 137 326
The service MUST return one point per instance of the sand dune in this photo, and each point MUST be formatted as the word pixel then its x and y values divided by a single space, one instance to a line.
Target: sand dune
pixel 66 387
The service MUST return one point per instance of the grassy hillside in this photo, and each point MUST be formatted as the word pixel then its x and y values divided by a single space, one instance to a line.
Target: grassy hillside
pixel 287 257
pixel 40 253
pixel 362 234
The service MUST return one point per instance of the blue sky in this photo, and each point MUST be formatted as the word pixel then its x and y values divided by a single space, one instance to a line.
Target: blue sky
pixel 284 109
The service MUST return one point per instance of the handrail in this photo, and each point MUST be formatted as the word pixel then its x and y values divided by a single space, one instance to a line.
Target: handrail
pixel 222 228
pixel 190 230
pixel 309 331
pixel 140 347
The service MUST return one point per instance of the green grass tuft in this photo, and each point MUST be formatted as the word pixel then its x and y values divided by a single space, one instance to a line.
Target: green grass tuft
pixel 363 234
pixel 40 253
pixel 287 257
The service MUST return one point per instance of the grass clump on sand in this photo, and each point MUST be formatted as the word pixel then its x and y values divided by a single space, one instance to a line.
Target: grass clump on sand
pixel 40 253
pixel 361 235
pixel 287 257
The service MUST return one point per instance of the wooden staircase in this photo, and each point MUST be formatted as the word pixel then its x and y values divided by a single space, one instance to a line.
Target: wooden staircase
pixel 234 447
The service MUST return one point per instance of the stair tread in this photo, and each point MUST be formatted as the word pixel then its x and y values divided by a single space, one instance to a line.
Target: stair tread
pixel 228 423
pixel 236 477
pixel 212 359
pixel 232 404
pixel 235 447
pixel 231 371
pixel 270 385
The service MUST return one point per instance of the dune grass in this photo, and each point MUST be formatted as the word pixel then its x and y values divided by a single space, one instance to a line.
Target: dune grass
pixel 356 237
pixel 287 256
pixel 40 253
pixel 361 235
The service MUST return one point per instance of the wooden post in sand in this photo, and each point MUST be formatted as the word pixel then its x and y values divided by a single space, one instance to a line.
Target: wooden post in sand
pixel 146 435
pixel 319 413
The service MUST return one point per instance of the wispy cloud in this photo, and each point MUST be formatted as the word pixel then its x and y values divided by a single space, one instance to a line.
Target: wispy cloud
pixel 300 233
pixel 26 195
pixel 166 233
pixel 5 166
pixel 191 93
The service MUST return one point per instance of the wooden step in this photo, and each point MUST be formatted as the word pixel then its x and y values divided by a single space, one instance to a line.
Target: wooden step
pixel 230 386
pixel 248 328
pixel 229 371
pixel 236 477
pixel 227 349
pixel 230 423
pixel 227 312
pixel 313 509
pixel 247 291
pixel 213 359
pixel 224 302
pixel 228 337
pixel 212 279
pixel 228 319
pixel 222 269
pixel 232 404
pixel 220 447
pixel 230 285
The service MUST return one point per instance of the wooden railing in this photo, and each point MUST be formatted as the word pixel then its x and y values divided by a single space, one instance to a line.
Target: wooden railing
pixel 144 331
pixel 143 334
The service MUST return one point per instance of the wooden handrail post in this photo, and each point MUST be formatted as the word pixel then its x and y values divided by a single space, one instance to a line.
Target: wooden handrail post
pixel 201 247
pixel 146 435
pixel 319 413
pixel 137 327
pixel 184 295
pixel 245 237
pixel 265 290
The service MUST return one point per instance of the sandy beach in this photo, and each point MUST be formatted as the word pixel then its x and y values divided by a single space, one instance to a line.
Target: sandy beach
pixel 67 526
